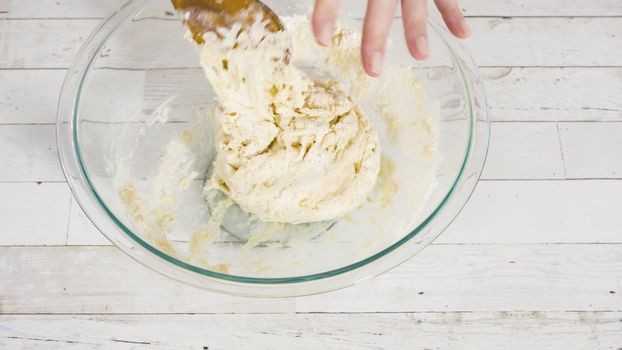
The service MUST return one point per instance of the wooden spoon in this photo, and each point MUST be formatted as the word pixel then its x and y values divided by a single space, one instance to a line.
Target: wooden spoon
pixel 202 16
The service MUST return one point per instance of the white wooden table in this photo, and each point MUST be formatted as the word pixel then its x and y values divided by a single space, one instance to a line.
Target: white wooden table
pixel 534 261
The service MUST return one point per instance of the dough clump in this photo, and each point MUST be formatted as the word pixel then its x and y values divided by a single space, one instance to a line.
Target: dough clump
pixel 289 149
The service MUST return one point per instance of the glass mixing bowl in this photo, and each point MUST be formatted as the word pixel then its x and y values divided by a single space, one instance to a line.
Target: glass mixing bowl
pixel 135 147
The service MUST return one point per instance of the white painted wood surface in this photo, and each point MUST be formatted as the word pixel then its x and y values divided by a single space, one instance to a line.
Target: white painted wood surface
pixel 534 260
pixel 497 41
pixel 29 9
pixel 42 43
pixel 80 230
pixel 524 151
pixel 444 277
pixel 540 212
pixel 80 9
pixel 536 8
pixel 555 94
pixel 596 146
pixel 421 330
pixel 29 96
pixel 34 213
pixel 28 154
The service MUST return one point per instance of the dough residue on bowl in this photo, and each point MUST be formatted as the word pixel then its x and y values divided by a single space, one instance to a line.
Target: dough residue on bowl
pixel 166 202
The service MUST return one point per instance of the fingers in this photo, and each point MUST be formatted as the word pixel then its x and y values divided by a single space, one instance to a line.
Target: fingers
pixel 323 20
pixel 452 15
pixel 415 13
pixel 375 32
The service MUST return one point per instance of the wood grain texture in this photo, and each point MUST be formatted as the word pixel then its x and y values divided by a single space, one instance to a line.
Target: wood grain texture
pixel 546 41
pixel 33 214
pixel 540 212
pixel 541 8
pixel 516 8
pixel 28 153
pixel 501 212
pixel 518 151
pixel 81 230
pixel 29 96
pixel 527 161
pixel 442 278
pixel 421 330
pixel 524 151
pixel 554 94
pixel 41 43
pixel 27 9
pixel 101 8
pixel 515 94
pixel 528 264
pixel 30 9
pixel 495 42
pixel 594 149
pixel 507 212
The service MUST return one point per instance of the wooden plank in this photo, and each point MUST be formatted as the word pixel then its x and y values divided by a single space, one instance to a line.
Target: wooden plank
pixel 128 285
pixel 501 212
pixel 592 148
pixel 29 96
pixel 540 212
pixel 495 42
pixel 81 230
pixel 515 94
pixel 100 9
pixel 444 330
pixel 524 151
pixel 489 278
pixel 518 151
pixel 546 41
pixel 471 8
pixel 514 8
pixel 42 43
pixel 442 278
pixel 28 153
pixel 511 8
pixel 33 213
pixel 554 94
pixel 498 212
pixel 184 91
pixel 58 8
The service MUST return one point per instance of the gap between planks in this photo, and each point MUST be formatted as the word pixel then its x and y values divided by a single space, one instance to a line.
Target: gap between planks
pixel 302 313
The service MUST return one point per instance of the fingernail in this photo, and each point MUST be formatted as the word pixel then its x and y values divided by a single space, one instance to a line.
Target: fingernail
pixel 465 27
pixel 375 63
pixel 421 45
pixel 325 34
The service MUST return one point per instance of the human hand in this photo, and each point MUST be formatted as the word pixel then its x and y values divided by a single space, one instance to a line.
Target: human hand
pixel 378 23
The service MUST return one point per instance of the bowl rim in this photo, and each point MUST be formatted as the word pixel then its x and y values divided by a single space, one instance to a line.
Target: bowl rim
pixel 96 209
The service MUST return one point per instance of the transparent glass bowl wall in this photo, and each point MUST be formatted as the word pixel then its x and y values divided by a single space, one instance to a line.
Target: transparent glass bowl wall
pixel 137 60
